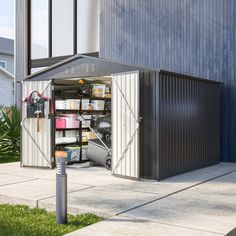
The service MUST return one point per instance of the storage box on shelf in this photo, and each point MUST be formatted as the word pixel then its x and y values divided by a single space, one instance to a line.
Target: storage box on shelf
pixel 85 104
pixel 98 105
pixel 67 121
pixel 68 104
pixel 84 153
pixel 66 140
pixel 99 90
pixel 73 153
pixel 86 136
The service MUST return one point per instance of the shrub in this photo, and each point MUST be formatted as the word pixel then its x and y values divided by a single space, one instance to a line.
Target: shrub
pixel 10 132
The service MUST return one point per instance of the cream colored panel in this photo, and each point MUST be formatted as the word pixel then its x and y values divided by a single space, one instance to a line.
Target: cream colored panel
pixel 36 146
pixel 125 124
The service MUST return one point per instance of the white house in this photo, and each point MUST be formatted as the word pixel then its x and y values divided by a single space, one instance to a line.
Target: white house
pixel 6 71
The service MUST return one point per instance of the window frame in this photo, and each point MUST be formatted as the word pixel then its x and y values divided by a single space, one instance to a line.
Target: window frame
pixel 34 63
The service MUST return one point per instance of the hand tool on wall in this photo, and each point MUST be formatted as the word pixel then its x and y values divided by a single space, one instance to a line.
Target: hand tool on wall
pixel 37 113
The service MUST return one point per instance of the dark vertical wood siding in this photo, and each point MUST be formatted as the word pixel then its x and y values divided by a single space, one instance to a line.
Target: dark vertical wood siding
pixel 195 37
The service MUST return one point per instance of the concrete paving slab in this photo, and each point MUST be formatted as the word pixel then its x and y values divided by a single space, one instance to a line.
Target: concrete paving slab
pixel 176 183
pixel 6 179
pixel 222 190
pixel 210 206
pixel 121 226
pixel 14 169
pixel 102 201
pixel 31 192
pixel 206 207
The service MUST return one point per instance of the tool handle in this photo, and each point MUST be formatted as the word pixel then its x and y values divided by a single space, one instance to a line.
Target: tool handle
pixel 37 122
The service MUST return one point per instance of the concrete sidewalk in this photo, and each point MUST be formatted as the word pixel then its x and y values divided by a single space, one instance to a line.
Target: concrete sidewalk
pixel 201 202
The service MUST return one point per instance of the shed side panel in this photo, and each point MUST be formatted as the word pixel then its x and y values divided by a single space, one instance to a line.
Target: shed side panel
pixel 36 146
pixel 149 130
pixel 189 124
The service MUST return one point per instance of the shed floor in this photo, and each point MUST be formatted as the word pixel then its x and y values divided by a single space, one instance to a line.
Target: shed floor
pixel 200 202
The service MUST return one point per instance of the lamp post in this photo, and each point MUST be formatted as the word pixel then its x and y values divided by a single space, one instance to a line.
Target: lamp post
pixel 61 187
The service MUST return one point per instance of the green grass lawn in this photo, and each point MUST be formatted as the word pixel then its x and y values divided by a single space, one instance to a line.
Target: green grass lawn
pixel 20 220
pixel 8 159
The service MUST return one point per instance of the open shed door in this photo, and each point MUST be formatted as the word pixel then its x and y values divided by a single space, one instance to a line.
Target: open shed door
pixel 36 146
pixel 125 125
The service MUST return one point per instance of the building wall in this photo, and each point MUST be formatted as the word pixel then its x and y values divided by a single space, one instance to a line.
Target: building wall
pixel 10 62
pixel 21 54
pixel 195 37
pixel 6 90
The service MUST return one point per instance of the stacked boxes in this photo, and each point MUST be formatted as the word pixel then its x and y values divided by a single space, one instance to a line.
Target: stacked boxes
pixel 68 104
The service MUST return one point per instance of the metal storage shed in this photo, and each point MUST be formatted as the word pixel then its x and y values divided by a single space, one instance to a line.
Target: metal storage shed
pixel 163 123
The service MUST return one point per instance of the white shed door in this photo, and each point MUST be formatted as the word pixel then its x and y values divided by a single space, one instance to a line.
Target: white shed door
pixel 36 146
pixel 125 124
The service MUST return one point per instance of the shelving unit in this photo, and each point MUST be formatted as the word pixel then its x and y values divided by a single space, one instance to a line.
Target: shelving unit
pixel 61 95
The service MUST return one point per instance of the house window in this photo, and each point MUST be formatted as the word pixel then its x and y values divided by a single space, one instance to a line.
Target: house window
pixel 39 29
pixel 3 64
pixel 61 28
pixel 87 26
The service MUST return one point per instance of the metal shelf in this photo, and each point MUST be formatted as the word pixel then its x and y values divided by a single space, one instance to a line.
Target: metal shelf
pixel 77 143
pixel 64 144
pixel 65 129
pixel 80 111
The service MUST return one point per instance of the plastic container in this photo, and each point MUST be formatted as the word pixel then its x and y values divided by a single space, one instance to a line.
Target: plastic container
pixel 84 152
pixel 71 133
pixel 74 104
pixel 86 117
pixel 72 122
pixel 61 105
pixel 98 105
pixel 59 134
pixel 86 136
pixel 65 140
pixel 60 123
pixel 68 104
pixel 73 153
pixel 85 104
pixel 99 90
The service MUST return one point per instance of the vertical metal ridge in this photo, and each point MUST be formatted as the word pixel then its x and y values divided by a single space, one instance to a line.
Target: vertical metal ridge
pixel 189 128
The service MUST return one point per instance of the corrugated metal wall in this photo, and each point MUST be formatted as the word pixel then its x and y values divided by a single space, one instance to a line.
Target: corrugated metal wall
pixel 36 150
pixel 149 128
pixel 125 125
pixel 195 37
pixel 180 129
pixel 189 124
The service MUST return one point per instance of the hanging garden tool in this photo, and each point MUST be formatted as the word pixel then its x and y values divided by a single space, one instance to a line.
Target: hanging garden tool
pixel 35 106
pixel 38 112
